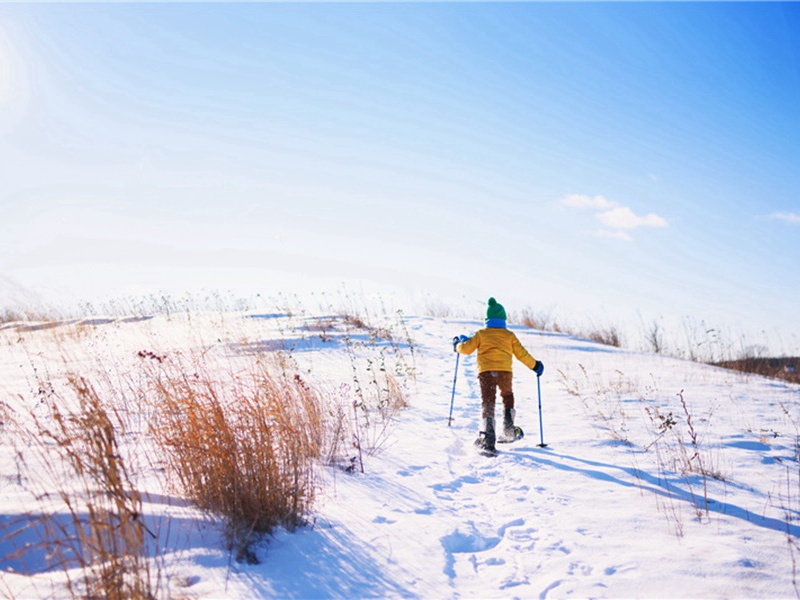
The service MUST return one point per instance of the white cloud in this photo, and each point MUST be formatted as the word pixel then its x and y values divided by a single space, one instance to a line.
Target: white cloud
pixel 617 220
pixel 622 218
pixel 617 234
pixel 584 201
pixel 788 217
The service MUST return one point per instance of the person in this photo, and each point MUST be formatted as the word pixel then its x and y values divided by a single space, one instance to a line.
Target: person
pixel 496 346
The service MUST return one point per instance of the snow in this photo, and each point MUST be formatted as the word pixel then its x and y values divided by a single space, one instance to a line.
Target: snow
pixel 614 506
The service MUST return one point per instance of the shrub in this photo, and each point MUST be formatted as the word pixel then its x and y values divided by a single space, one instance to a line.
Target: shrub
pixel 539 320
pixel 242 444
pixel 609 336
pixel 781 368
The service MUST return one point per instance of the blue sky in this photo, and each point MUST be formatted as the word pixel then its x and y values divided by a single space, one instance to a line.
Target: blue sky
pixel 619 161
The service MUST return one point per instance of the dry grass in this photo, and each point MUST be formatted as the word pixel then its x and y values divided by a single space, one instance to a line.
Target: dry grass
pixel 98 527
pixel 241 435
pixel 543 321
pixel 437 309
pixel 240 444
pixel 789 498
pixel 12 315
pixel 619 406
pixel 609 336
pixel 787 369
pixel 375 397
pixel 692 458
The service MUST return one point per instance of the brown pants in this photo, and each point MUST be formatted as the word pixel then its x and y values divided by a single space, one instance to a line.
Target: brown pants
pixel 490 381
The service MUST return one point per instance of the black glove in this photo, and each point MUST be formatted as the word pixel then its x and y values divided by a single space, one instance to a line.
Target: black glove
pixel 539 368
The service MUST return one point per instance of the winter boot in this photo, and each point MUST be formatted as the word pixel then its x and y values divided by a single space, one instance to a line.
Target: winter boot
pixel 509 432
pixel 487 439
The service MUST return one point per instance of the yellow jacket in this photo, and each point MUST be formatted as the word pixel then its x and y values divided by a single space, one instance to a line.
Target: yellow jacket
pixel 495 348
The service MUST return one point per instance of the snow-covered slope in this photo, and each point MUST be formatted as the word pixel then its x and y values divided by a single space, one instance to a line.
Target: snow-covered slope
pixel 660 478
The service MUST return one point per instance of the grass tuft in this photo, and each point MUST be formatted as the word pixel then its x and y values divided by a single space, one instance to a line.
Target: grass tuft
pixel 241 444
pixel 609 335
pixel 98 527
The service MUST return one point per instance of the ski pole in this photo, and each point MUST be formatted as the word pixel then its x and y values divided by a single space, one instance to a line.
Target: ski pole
pixel 541 429
pixel 453 395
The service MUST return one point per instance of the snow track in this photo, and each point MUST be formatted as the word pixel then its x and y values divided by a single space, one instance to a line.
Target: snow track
pixel 589 516
pixel 608 509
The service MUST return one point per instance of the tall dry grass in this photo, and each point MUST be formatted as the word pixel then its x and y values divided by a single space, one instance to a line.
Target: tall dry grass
pixel 376 397
pixel 241 433
pixel 242 444
pixel 786 368
pixel 643 421
pixel 98 528
pixel 608 335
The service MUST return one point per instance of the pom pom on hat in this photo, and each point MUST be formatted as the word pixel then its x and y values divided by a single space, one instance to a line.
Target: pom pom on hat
pixel 495 310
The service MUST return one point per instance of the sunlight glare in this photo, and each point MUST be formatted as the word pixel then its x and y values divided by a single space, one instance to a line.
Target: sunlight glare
pixel 13 89
pixel 5 73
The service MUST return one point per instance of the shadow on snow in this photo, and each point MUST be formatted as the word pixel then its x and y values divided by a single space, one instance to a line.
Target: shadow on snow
pixel 311 343
pixel 656 485
pixel 324 562
pixel 42 542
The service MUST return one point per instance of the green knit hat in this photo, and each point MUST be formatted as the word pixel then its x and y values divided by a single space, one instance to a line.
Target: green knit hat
pixel 495 310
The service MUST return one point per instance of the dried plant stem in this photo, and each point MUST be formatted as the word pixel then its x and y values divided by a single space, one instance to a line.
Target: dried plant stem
pixel 696 456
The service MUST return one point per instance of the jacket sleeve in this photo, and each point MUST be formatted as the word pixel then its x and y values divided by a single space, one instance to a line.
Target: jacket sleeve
pixel 522 355
pixel 469 346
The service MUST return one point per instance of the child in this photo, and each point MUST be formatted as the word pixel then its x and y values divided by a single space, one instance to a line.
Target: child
pixel 496 345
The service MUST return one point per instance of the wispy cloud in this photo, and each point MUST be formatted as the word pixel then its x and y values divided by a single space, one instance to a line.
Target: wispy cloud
pixel 583 201
pixel 616 234
pixel 623 217
pixel 787 217
pixel 617 220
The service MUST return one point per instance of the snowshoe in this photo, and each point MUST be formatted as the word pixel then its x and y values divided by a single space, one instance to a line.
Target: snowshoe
pixel 486 439
pixel 511 433
pixel 518 435
pixel 483 448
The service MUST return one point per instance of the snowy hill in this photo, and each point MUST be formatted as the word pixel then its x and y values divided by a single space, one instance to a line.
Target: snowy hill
pixel 661 477
pixel 13 296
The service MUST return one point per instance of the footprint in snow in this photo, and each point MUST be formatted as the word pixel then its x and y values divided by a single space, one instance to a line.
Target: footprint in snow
pixel 454 485
pixel 625 568
pixel 456 448
pixel 466 539
pixel 383 520
pixel 580 568
pixel 411 470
